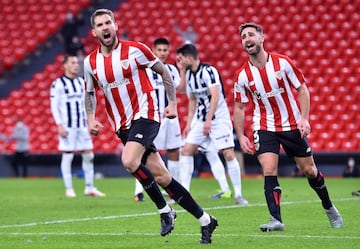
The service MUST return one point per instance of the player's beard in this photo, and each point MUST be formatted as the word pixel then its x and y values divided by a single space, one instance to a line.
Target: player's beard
pixel 108 45
pixel 255 51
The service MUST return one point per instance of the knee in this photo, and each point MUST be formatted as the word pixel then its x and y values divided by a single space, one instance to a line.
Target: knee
pixel 163 180
pixel 228 154
pixel 129 164
pixel 309 171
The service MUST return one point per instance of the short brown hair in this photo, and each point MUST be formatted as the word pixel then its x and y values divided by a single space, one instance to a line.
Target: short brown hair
pixel 100 12
pixel 251 25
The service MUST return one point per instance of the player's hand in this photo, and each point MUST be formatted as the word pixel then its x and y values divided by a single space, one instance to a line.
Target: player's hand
pixel 62 131
pixel 95 127
pixel 246 145
pixel 304 128
pixel 170 111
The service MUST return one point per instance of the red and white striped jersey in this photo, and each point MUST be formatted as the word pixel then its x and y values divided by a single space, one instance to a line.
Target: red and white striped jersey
pixel 275 108
pixel 129 94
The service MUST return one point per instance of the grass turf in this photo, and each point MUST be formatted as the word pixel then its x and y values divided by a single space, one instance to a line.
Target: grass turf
pixel 35 214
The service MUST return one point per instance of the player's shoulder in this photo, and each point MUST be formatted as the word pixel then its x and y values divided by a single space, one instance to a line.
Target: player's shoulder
pixel 242 67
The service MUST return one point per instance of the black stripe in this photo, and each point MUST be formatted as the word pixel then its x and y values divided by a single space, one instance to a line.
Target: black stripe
pixel 68 107
pixel 65 85
pixel 77 115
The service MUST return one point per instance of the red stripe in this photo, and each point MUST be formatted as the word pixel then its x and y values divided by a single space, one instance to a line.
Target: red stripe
pixel 124 55
pixel 250 77
pixel 277 197
pixel 284 95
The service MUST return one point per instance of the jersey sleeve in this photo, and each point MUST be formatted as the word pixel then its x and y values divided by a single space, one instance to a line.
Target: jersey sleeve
pixel 239 88
pixel 88 77
pixel 144 55
pixel 174 75
pixel 211 76
pixel 294 74
pixel 55 95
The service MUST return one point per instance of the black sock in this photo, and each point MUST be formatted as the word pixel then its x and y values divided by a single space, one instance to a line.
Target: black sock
pixel 318 184
pixel 273 195
pixel 147 180
pixel 177 192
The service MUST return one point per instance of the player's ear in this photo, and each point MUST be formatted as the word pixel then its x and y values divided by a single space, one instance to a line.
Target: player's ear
pixel 93 33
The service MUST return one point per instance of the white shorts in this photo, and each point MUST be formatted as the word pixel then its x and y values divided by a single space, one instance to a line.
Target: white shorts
pixel 169 136
pixel 78 139
pixel 220 137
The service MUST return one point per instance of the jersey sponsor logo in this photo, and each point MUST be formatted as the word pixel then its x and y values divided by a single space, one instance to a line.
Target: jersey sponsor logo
pixel 269 94
pixel 115 84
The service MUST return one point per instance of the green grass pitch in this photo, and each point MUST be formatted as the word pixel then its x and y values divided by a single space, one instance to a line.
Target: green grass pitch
pixel 35 214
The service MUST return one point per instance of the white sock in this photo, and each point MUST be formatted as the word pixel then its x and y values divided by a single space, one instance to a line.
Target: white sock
pixel 204 219
pixel 218 170
pixel 173 167
pixel 235 176
pixel 88 168
pixel 138 188
pixel 186 170
pixel 165 209
pixel 66 161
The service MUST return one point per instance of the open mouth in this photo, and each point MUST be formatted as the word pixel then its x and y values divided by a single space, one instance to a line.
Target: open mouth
pixel 106 36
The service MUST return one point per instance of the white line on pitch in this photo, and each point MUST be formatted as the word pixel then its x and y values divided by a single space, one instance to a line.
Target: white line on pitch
pixel 154 213
pixel 272 235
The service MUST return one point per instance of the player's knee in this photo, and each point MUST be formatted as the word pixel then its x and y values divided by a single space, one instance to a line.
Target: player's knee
pixel 129 164
pixel 163 180
pixel 309 171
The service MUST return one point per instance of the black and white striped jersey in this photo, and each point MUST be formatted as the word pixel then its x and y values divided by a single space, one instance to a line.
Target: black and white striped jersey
pixel 158 85
pixel 199 83
pixel 67 99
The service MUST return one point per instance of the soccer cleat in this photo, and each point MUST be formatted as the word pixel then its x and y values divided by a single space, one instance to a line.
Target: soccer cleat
pixel 356 193
pixel 225 195
pixel 335 218
pixel 167 222
pixel 241 201
pixel 92 191
pixel 206 231
pixel 139 197
pixel 273 225
pixel 70 193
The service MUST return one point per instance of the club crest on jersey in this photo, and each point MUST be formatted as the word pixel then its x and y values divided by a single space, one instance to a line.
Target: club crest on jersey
pixel 278 75
pixel 125 64
pixel 251 83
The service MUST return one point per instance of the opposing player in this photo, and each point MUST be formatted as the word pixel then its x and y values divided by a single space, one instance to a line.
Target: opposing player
pixel 68 110
pixel 277 120
pixel 208 123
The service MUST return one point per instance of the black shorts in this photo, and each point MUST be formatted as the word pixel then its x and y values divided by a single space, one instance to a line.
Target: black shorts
pixel 291 142
pixel 142 131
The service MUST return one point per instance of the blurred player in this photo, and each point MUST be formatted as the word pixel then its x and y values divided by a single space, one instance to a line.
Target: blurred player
pixel 277 120
pixel 208 123
pixel 67 97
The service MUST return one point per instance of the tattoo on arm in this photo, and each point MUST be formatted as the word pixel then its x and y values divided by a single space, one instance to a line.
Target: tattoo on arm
pixel 90 102
pixel 160 68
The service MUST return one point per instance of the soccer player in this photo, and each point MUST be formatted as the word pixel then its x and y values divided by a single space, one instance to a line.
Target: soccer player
pixel 277 120
pixel 118 69
pixel 67 95
pixel 208 123
pixel 169 135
